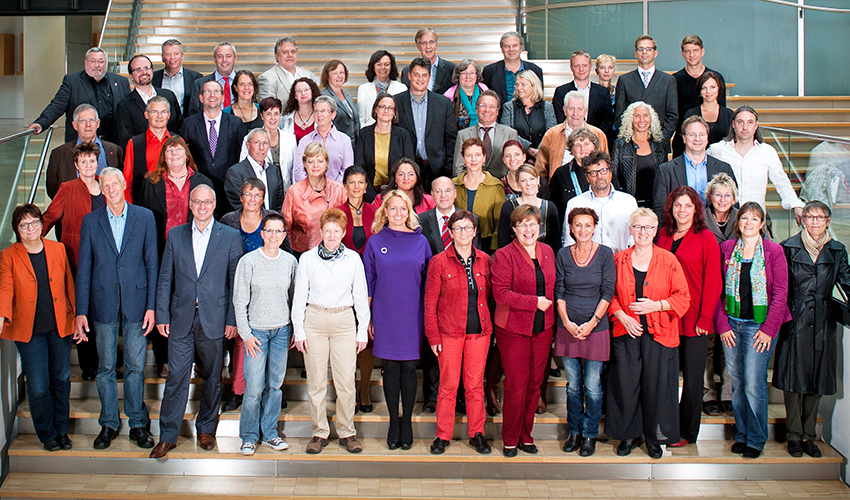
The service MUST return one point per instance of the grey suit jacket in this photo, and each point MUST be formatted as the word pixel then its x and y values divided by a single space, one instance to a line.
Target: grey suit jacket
pixel 239 172
pixel 494 164
pixel 347 123
pixel 180 285
pixel 431 230
pixel 277 82
pixel 60 166
pixel 661 94
pixel 672 174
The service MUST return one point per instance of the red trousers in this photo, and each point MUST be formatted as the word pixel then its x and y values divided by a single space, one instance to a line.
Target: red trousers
pixel 524 360
pixel 238 363
pixel 468 353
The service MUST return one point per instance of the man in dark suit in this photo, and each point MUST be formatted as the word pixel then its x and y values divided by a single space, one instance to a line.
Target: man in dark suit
pixel 656 88
pixel 195 311
pixel 441 69
pixel 175 77
pixel 130 115
pixel 255 165
pixel 600 114
pixel 224 56
pixel 60 166
pixel 500 76
pixel 116 288
pixel 488 107
pixel 430 119
pixel 694 168
pixel 93 86
pixel 227 131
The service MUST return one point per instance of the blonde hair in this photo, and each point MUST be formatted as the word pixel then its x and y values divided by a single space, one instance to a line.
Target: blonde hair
pixel 719 180
pixel 626 130
pixel 381 218
pixel 604 58
pixel 642 212
pixel 536 85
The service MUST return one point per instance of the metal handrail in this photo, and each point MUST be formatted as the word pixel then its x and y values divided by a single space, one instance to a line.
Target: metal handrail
pixel 17 135
pixel 40 167
pixel 590 3
pixel 105 21
pixel 133 29
pixel 808 135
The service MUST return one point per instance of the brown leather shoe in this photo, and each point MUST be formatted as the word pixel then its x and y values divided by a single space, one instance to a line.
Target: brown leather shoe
pixel 206 441
pixel 161 449
pixel 163 370
pixel 541 407
pixel 493 406
pixel 352 445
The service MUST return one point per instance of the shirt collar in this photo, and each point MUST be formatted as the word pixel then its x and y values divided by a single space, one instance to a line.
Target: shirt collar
pixel 440 215
pixel 256 165
pixel 521 68
pixel 582 89
pixel 219 76
pixel 179 73
pixel 689 163
pixel 424 100
pixel 196 230
pixel 113 216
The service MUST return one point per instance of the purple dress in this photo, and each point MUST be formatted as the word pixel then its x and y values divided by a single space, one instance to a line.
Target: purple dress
pixel 396 265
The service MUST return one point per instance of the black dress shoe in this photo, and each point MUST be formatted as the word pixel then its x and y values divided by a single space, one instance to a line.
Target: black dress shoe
pixel 366 408
pixel 528 448
pixel 750 452
pixel 119 375
pixel 738 448
pixel 588 447
pixel 626 446
pixel 52 445
pixel 303 373
pixel 142 437
pixel 438 447
pixel 104 439
pixel 64 441
pixel 811 449
pixel 479 442
pixel 555 372
pixel 572 443
pixel 89 374
pixel 712 408
pixel 795 449
pixel 406 446
pixel 654 451
pixel 393 444
pixel 233 402
pixel 509 452
pixel 728 408
pixel 283 404
pixel 429 407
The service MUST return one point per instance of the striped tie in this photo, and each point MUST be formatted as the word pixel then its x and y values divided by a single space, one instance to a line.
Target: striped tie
pixel 447 237
pixel 213 138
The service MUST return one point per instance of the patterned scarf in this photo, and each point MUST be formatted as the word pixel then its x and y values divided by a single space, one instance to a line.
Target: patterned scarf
pixel 381 86
pixel 758 281
pixel 326 255
pixel 470 108
pixel 813 246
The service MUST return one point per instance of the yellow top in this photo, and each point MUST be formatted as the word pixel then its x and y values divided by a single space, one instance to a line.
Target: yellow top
pixel 382 153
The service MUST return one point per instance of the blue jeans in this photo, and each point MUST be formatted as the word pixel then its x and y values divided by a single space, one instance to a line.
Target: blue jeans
pixel 748 371
pixel 135 347
pixel 263 378
pixel 584 423
pixel 46 360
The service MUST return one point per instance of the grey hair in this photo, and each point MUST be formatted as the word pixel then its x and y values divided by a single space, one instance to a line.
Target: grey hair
pixel 200 186
pixel 172 41
pixel 281 41
pixel 626 130
pixel 512 34
pixel 225 44
pixel 255 131
pixel 462 66
pixel 573 95
pixel 155 99
pixel 642 212
pixel 96 49
pixel 85 107
pixel 110 171
pixel 327 100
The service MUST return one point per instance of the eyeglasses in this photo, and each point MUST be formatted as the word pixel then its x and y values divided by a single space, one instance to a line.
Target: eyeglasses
pixel 274 232
pixel 212 92
pixel 429 43
pixel 528 225
pixel 597 173
pixel 384 107
pixel 645 49
pixel 723 196
pixel 253 196
pixel 26 225
pixel 158 112
pixel 488 106
pixel 692 135
pixel 322 111
pixel 89 121
pixel 813 218
pixel 643 229
pixel 463 229
pixel 141 69
pixel 206 203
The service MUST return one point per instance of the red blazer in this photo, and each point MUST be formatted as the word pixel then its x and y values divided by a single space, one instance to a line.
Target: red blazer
pixel 665 280
pixel 71 203
pixel 515 287
pixel 699 255
pixel 447 295
pixel 368 213
pixel 18 290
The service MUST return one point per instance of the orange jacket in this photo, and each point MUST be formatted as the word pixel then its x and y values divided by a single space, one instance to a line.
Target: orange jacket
pixel 665 280
pixel 19 289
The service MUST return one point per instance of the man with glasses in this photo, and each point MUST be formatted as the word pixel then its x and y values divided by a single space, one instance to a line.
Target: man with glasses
pixel 131 117
pixel 256 164
pixel 277 81
pixel 490 132
pixel 613 207
pixel 694 168
pixel 198 266
pixel 95 86
pixel 656 88
pixel 143 149
pixel 441 70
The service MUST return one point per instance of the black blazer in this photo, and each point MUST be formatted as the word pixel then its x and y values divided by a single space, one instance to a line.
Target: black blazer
pixel 60 166
pixel 431 230
pixel 672 174
pixel 237 173
pixel 660 94
pixel 76 90
pixel 130 115
pixel 153 198
pixel 180 284
pixel 600 114
pixel 442 81
pixel 195 100
pixel 189 77
pixel 401 146
pixel 493 76
pixel 440 129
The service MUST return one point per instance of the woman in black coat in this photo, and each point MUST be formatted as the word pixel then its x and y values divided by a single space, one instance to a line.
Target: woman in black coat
pixel 806 350
pixel 370 154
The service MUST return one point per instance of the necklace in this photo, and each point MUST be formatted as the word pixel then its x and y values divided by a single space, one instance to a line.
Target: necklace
pixel 586 260
pixel 303 120
pixel 357 210
pixel 178 177
pixel 245 114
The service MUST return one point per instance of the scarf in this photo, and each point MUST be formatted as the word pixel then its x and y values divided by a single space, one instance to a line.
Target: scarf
pixel 326 255
pixel 814 246
pixel 381 86
pixel 758 281
pixel 470 108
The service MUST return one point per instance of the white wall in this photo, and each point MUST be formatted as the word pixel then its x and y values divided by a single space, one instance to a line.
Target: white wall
pixel 12 86
pixel 836 409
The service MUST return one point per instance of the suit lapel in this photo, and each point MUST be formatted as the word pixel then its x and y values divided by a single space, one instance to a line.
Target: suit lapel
pixel 107 230
pixel 140 105
pixel 215 238
pixel 128 228
pixel 25 258
pixel 188 245
pixel 681 171
pixel 87 88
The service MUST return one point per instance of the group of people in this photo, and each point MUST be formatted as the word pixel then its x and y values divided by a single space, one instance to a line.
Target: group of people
pixel 410 226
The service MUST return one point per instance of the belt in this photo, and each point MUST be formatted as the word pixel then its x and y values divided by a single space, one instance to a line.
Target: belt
pixel 329 309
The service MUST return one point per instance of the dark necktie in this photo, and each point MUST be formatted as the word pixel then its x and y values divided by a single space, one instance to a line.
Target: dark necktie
pixel 213 138
pixel 488 144
pixel 447 237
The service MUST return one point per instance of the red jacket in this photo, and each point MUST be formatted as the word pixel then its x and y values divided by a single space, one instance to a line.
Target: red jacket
pixel 665 280
pixel 368 215
pixel 515 287
pixel 699 255
pixel 447 295
pixel 71 203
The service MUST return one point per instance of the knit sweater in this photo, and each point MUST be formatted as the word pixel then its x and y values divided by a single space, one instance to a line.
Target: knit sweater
pixel 257 291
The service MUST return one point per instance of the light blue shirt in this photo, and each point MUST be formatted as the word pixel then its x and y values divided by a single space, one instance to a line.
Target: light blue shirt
pixel 697 175
pixel 226 88
pixel 175 84
pixel 433 74
pixel 117 223
pixel 420 118
pixel 200 241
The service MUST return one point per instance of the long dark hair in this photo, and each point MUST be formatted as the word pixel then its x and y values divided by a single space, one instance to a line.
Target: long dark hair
pixel 731 135
pixel 292 102
pixel 370 70
pixel 670 223
pixel 418 190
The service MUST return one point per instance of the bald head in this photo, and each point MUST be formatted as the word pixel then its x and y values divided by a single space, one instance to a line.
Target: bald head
pixel 444 193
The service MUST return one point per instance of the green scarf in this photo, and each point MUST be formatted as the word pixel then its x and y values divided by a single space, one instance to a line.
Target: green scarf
pixel 470 108
pixel 758 280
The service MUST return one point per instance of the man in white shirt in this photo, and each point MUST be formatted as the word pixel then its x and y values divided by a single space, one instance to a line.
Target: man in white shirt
pixel 277 81
pixel 754 162
pixel 613 207
pixel 256 164
pixel 174 76
pixel 598 112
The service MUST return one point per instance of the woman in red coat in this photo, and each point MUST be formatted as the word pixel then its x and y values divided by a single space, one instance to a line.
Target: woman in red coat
pixel 458 327
pixel 697 250
pixel 524 289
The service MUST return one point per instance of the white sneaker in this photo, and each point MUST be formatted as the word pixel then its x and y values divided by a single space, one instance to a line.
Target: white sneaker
pixel 247 448
pixel 276 443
